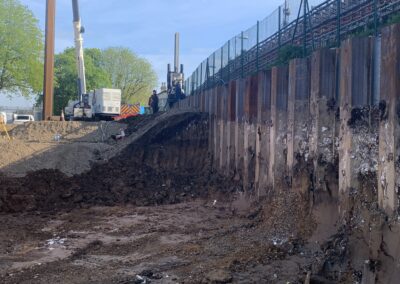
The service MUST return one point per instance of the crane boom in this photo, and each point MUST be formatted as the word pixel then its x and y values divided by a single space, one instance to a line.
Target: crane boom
pixel 78 31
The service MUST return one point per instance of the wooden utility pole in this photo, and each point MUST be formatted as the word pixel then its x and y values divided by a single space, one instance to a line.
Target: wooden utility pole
pixel 48 85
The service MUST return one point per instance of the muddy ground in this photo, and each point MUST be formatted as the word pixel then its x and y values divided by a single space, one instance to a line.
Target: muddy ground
pixel 191 242
pixel 157 212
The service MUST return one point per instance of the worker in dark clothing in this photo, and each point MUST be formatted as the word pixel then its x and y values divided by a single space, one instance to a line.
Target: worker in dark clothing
pixel 153 102
pixel 179 93
pixel 171 98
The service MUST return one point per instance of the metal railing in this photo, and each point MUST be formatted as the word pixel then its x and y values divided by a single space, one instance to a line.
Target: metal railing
pixel 301 24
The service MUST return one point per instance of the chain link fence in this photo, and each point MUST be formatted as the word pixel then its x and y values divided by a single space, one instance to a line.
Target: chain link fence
pixel 294 28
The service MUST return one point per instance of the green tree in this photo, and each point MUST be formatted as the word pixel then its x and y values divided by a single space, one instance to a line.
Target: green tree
pixel 133 75
pixel 66 75
pixel 21 50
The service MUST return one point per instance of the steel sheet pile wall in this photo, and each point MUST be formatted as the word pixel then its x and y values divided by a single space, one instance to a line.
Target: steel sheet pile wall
pixel 263 132
pixel 389 128
pixel 327 127
pixel 324 118
pixel 358 135
pixel 314 125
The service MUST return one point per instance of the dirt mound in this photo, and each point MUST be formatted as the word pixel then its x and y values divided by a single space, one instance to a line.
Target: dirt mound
pixel 81 145
pixel 19 157
pixel 45 131
pixel 165 165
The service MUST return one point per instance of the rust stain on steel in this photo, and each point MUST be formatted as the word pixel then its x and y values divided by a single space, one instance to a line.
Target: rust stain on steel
pixel 48 85
pixel 232 101
pixel 250 99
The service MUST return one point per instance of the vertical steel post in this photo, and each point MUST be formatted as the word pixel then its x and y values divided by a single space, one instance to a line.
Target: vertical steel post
pixel 197 79
pixel 305 27
pixel 280 27
pixel 241 55
pixel 176 53
pixel 48 85
pixel 213 69
pixel 201 76
pixel 258 45
pixel 229 59
pixel 193 87
pixel 338 19
pixel 222 62
pixel 376 17
pixel 207 83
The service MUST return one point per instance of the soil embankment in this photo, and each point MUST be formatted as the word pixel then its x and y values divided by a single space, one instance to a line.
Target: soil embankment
pixel 157 211
pixel 166 164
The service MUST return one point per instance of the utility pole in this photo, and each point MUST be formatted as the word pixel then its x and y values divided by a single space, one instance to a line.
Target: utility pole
pixel 48 85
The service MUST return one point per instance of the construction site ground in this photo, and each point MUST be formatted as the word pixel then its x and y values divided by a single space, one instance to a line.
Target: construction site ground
pixel 152 209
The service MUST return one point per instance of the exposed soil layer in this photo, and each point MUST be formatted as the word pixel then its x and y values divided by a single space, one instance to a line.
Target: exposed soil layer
pixel 197 227
pixel 70 147
pixel 165 165
pixel 44 131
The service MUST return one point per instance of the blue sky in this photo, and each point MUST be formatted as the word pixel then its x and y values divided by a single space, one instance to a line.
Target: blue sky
pixel 148 26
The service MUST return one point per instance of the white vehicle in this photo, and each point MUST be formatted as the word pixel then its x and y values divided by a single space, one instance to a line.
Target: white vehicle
pixel 3 118
pixel 22 118
pixel 102 104
pixel 106 103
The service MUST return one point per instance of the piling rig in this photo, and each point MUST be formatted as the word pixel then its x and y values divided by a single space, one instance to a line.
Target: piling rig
pixel 175 78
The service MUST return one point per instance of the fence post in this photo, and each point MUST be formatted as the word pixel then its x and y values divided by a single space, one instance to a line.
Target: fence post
pixel 375 17
pixel 207 81
pixel 305 3
pixel 241 53
pixel 222 63
pixel 197 79
pixel 280 27
pixel 338 18
pixel 229 59
pixel 213 67
pixel 258 45
pixel 201 76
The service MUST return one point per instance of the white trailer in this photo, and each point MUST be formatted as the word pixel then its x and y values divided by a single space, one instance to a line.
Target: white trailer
pixel 102 104
pixel 106 103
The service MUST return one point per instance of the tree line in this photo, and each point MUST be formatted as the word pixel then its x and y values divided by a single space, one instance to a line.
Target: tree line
pixel 22 58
